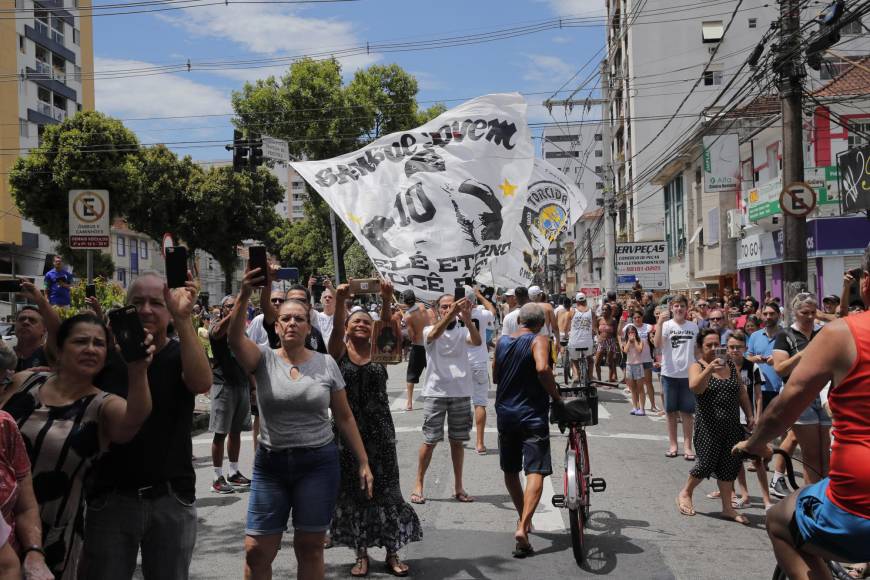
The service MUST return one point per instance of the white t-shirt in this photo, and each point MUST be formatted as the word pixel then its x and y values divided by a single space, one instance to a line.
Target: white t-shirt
pixel 256 332
pixel 511 323
pixel 448 371
pixel 324 323
pixel 478 356
pixel 678 348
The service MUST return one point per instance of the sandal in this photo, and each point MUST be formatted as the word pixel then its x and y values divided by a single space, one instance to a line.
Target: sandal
pixel 686 509
pixel 395 566
pixel 739 503
pixel 856 570
pixel 418 498
pixel 522 551
pixel 689 456
pixel 671 454
pixel 463 497
pixel 361 568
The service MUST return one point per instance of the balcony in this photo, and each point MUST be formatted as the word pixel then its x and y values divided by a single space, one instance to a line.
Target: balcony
pixel 43 68
pixel 57 37
pixel 49 110
pixel 41 27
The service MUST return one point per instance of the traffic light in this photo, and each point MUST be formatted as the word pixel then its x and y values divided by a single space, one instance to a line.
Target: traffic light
pixel 256 159
pixel 828 34
pixel 240 152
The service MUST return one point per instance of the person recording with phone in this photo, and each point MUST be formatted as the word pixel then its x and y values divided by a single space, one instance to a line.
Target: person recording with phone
pixel 60 455
pixel 714 380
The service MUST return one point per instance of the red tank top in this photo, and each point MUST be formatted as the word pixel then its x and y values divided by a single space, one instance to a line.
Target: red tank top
pixel 850 406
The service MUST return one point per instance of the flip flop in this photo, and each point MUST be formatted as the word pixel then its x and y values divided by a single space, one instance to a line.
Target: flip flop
pixel 685 509
pixel 739 518
pixel 523 551
pixel 713 495
pixel 739 503
pixel 418 499
pixel 689 456
pixel 463 497
pixel 481 451
pixel 671 454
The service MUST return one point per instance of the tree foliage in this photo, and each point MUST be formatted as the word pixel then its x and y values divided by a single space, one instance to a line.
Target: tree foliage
pixel 321 117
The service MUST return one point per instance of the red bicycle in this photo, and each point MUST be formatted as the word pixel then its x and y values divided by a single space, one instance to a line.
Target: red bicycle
pixel 575 415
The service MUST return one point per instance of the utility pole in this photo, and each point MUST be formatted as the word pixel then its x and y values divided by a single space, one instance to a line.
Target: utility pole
pixel 791 77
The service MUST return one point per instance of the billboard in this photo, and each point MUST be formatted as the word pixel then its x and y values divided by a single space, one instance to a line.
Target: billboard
pixel 721 162
pixel 642 262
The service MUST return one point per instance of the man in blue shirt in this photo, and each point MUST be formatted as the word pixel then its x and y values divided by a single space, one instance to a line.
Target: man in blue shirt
pixel 759 350
pixel 57 284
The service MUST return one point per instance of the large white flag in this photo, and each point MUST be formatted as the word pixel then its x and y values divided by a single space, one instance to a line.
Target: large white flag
pixel 552 205
pixel 432 206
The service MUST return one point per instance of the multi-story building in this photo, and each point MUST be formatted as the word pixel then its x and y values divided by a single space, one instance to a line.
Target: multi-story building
pixel 133 253
pixel 649 84
pixel 296 196
pixel 46 75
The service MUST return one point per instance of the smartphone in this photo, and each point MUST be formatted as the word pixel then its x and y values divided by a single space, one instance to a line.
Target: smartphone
pixel 459 292
pixel 288 274
pixel 721 353
pixel 176 266
pixel 257 259
pixel 129 332
pixel 365 286
pixel 91 291
pixel 10 285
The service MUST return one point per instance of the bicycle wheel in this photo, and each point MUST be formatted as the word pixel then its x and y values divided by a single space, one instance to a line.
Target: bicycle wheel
pixel 583 471
pixel 579 516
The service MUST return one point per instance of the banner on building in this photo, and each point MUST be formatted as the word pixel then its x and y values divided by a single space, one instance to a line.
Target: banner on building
pixel 552 204
pixel 434 205
pixel 854 169
pixel 645 263
pixel 721 162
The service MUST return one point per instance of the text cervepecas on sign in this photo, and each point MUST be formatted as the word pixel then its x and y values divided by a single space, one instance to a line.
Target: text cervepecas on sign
pixel 643 262
pixel 434 205
pixel 89 226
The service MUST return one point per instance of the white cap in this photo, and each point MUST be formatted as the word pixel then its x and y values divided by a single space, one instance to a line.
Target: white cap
pixel 580 297
pixel 535 291
pixel 356 308
pixel 509 292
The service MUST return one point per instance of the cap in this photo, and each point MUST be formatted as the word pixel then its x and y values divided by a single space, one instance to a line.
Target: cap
pixel 535 291
pixel 509 292
pixel 580 297
pixel 356 308
pixel 408 297
pixel 831 298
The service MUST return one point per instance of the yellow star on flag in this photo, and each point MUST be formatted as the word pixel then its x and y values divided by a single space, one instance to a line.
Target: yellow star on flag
pixel 508 189
pixel 355 219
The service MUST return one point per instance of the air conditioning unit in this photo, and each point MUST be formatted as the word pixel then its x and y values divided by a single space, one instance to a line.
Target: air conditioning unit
pixel 735 223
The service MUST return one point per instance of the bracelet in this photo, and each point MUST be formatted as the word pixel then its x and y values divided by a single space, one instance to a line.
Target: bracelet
pixel 33 548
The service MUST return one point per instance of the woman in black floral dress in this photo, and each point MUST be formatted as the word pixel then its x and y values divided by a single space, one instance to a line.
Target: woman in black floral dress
pixel 385 520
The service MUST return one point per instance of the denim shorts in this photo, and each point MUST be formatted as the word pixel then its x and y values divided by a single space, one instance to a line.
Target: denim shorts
pixel 678 396
pixel 302 481
pixel 814 415
pixel 526 449
pixel 820 522
pixel 634 372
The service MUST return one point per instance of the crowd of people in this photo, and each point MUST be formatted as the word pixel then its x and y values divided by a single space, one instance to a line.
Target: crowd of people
pixel 96 453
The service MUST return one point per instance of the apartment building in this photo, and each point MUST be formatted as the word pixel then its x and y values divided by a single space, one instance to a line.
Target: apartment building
pixel 46 66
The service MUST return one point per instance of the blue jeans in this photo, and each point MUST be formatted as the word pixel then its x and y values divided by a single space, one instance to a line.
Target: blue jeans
pixel 118 524
pixel 303 481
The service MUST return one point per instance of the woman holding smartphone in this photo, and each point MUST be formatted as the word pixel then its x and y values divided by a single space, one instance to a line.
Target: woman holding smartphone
pixel 296 468
pixel 720 395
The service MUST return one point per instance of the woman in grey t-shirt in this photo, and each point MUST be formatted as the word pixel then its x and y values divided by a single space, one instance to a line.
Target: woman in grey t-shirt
pixel 296 469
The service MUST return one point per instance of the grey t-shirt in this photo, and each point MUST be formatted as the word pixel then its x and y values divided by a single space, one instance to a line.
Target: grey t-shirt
pixel 294 413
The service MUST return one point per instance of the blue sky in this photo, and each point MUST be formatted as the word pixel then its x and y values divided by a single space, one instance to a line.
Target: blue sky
pixel 537 63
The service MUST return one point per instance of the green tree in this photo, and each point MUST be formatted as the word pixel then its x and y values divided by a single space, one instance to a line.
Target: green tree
pixel 320 117
pixel 87 151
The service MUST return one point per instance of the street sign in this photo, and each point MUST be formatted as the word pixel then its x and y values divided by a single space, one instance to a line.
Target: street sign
pixel 275 149
pixel 168 242
pixel 89 226
pixel 798 199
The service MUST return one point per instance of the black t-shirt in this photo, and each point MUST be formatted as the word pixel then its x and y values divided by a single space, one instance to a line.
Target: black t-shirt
pixel 36 359
pixel 792 341
pixel 314 341
pixel 226 370
pixel 162 450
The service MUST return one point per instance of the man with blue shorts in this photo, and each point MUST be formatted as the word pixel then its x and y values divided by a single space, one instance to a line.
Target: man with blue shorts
pixel 830 519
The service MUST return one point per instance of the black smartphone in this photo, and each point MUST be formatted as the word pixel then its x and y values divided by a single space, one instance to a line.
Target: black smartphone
pixel 91 291
pixel 129 333
pixel 291 274
pixel 176 266
pixel 10 285
pixel 459 292
pixel 257 259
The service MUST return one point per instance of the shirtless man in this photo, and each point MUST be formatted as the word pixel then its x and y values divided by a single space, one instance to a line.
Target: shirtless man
pixel 416 319
pixel 551 327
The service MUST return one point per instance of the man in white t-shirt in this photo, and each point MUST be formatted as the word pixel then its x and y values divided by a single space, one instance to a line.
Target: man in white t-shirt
pixel 447 392
pixel 676 339
pixel 510 323
pixel 483 317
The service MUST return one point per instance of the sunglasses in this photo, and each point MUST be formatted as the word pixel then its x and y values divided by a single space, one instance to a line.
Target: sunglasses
pixel 277 300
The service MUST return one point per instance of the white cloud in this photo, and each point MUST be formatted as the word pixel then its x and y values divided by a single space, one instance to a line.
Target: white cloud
pixel 154 96
pixel 542 68
pixel 273 30
pixel 577 7
pixel 428 82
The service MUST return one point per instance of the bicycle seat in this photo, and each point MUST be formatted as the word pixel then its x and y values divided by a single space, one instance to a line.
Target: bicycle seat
pixel 574 411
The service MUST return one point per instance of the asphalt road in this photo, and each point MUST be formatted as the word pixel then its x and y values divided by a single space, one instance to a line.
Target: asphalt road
pixel 635 531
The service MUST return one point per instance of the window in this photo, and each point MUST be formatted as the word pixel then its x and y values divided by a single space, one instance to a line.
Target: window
pixel 562 138
pixel 122 275
pixel 121 248
pixel 858 131
pixel 674 219
pixel 561 154
pixel 599 137
pixel 712 31
pixel 77 73
pixel 712 78
pixel 23 128
pixel 599 169
pixel 773 161
pixel 832 68
pixel 76 36
pixel 143 249
pixel 22 44
pixel 599 153
pixel 19 4
pixel 599 185
pixel 853 27
pixel 753 22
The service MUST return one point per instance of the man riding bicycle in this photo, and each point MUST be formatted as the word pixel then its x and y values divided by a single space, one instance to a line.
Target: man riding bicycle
pixel 828 520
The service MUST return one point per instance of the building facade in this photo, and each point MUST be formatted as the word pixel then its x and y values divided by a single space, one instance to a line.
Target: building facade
pixel 46 76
